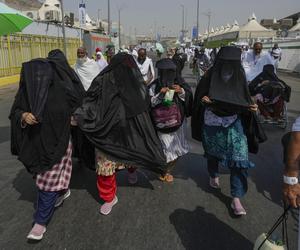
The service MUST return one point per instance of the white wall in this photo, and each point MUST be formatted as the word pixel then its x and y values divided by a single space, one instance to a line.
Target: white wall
pixel 290 54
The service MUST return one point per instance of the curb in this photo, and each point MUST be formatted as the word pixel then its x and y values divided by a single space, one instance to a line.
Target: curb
pixel 8 80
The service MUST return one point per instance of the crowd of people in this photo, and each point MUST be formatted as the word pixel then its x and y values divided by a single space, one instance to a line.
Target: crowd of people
pixel 117 114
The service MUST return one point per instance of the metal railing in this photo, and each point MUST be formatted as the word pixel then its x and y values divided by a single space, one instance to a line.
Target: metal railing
pixel 18 48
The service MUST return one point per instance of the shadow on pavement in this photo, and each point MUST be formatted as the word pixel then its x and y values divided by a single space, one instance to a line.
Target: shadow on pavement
pixel 201 230
pixel 24 184
pixel 193 166
pixel 4 134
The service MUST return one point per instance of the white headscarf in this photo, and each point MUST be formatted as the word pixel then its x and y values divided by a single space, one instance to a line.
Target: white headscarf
pixel 86 70
pixel 101 62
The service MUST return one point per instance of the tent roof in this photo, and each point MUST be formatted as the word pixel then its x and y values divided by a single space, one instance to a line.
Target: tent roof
pixel 253 25
pixel 235 27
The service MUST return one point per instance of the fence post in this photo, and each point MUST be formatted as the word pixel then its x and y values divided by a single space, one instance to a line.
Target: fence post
pixel 21 48
pixel 9 54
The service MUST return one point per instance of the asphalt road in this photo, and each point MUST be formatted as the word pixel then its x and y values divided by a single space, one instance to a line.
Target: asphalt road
pixel 151 215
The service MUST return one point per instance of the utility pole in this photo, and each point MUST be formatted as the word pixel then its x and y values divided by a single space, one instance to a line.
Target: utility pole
pixel 99 18
pixel 198 4
pixel 182 25
pixel 63 27
pixel 108 17
pixel 208 24
pixel 119 28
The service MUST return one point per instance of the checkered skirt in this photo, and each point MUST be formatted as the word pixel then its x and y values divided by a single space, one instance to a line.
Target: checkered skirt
pixel 58 178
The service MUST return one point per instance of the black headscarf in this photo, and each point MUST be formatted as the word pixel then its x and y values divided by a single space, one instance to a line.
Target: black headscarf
pixel 168 76
pixel 39 147
pixel 115 117
pixel 73 87
pixel 228 84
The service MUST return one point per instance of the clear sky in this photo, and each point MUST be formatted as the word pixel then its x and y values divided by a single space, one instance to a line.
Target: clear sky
pixel 166 15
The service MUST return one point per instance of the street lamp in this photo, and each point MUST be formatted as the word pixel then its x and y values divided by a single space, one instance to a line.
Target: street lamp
pixel 99 18
pixel 198 19
pixel 108 17
pixel 208 14
pixel 63 26
pixel 119 11
pixel 182 25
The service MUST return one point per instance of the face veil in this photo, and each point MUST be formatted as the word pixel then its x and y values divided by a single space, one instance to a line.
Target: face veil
pixel 228 81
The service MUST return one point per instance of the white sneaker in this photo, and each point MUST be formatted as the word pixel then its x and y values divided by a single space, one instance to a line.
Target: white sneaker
pixel 107 206
pixel 37 232
pixel 61 198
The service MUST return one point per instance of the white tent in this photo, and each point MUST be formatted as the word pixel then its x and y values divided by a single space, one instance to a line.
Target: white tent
pixel 235 27
pixel 227 28
pixel 255 30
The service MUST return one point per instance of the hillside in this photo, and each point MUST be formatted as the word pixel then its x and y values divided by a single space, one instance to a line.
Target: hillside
pixel 24 4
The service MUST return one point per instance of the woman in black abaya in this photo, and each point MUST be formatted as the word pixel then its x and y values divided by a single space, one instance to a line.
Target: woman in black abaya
pixel 48 94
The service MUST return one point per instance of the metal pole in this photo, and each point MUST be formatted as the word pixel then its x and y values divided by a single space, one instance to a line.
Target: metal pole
pixel 99 18
pixel 119 28
pixel 198 18
pixel 63 27
pixel 108 16
pixel 182 25
pixel 208 25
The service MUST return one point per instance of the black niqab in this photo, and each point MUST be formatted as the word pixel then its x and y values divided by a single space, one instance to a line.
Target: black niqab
pixel 37 75
pixel 228 83
pixel 167 77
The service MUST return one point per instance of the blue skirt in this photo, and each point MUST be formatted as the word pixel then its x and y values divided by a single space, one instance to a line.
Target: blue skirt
pixel 227 145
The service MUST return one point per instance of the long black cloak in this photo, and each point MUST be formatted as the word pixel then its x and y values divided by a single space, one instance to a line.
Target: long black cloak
pixel 253 130
pixel 115 116
pixel 58 93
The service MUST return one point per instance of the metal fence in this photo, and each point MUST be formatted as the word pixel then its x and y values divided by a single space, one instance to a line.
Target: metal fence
pixel 18 48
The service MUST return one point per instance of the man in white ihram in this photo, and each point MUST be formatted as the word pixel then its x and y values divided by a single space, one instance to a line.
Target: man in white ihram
pixel 255 60
pixel 86 68
pixel 145 65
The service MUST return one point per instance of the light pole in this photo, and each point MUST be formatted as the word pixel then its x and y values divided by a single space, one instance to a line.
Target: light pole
pixel 119 28
pixel 99 18
pixel 198 5
pixel 108 17
pixel 182 25
pixel 208 14
pixel 63 27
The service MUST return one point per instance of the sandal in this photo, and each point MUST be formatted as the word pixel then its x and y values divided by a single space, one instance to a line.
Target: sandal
pixel 167 178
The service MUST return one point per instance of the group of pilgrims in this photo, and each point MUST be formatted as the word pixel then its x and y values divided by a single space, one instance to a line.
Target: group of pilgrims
pixel 123 117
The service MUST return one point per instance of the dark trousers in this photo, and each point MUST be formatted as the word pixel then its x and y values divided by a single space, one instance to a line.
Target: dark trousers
pixel 238 178
pixel 45 206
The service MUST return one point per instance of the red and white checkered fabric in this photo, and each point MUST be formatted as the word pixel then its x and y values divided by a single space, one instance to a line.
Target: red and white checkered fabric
pixel 58 178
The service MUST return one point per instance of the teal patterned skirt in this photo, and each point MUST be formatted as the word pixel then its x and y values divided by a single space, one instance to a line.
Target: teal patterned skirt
pixel 227 145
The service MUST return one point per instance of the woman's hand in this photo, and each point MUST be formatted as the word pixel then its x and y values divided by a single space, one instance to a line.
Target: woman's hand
pixel 206 99
pixel 29 118
pixel 164 90
pixel 253 107
pixel 177 88
pixel 73 121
